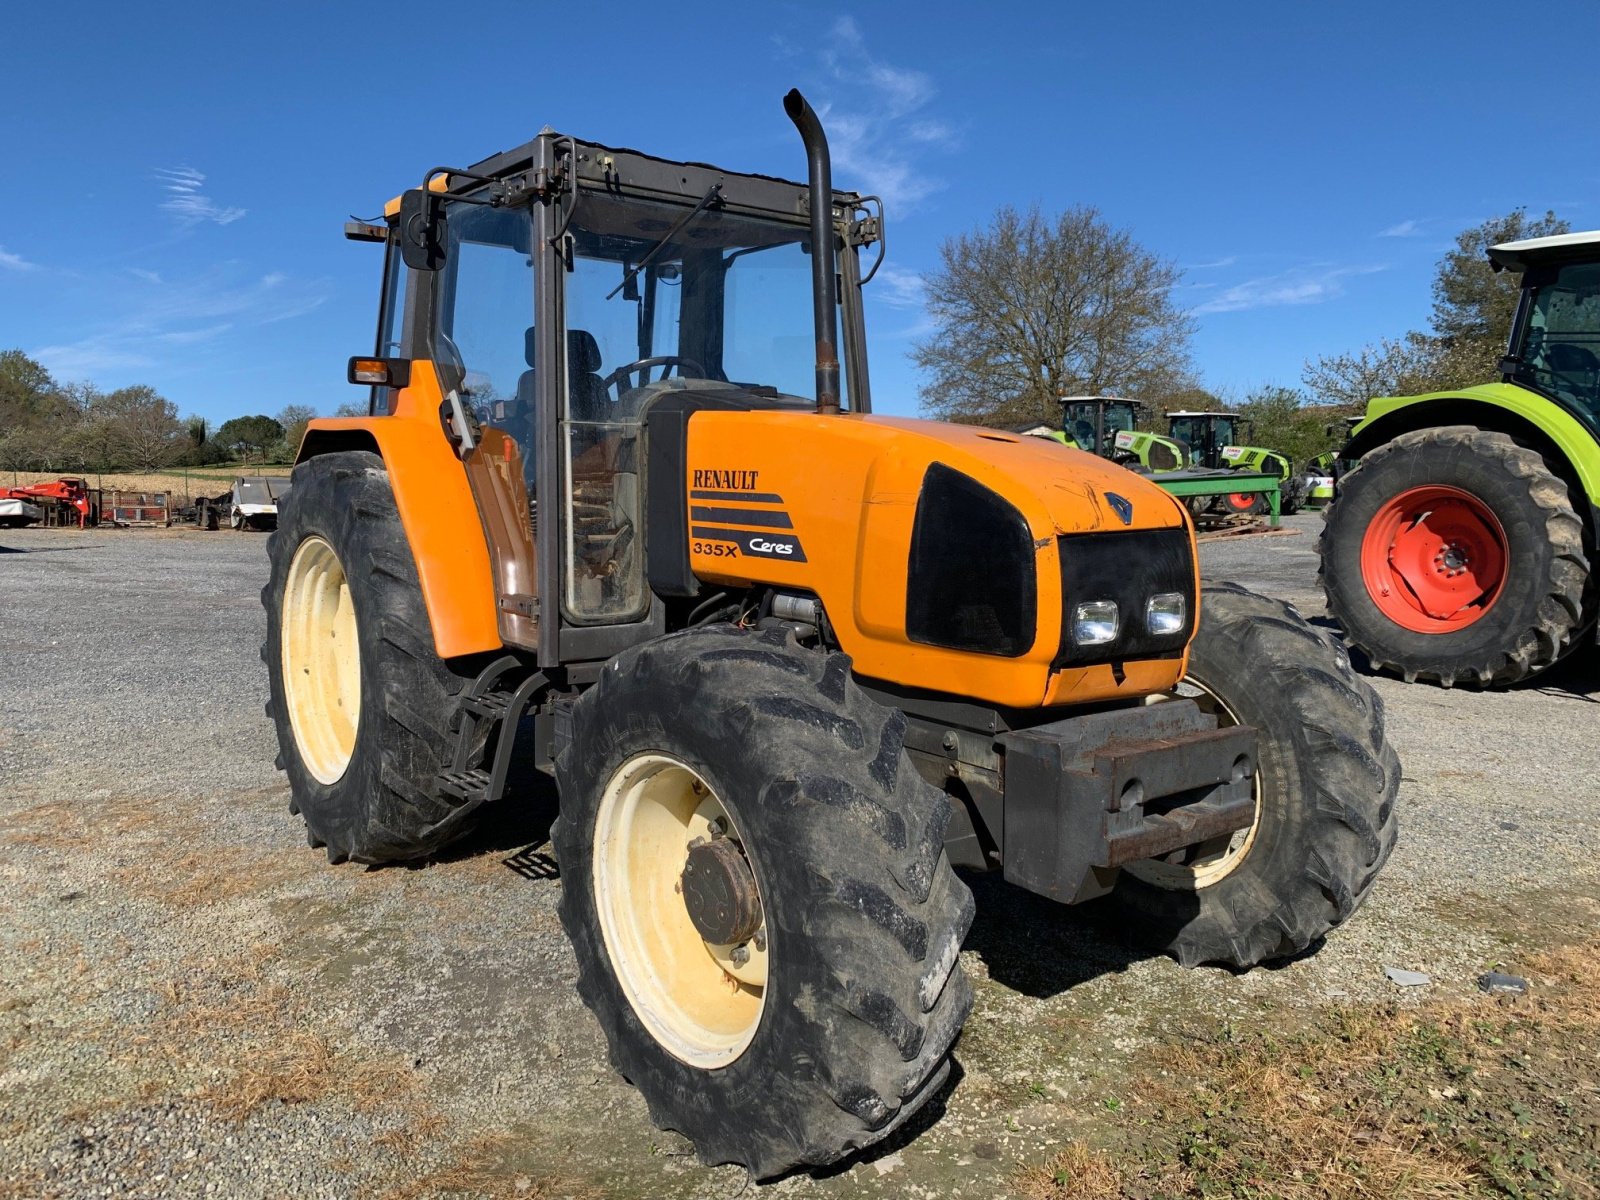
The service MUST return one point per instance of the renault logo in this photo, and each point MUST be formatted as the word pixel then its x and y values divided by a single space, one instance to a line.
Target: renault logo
pixel 1123 507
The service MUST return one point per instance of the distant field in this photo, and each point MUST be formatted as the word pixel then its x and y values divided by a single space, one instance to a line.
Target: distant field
pixel 197 481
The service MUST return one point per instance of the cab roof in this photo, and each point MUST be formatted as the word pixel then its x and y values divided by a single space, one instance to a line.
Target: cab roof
pixel 632 172
pixel 1519 256
pixel 1187 413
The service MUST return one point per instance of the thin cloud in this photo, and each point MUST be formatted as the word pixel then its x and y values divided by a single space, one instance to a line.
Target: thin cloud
pixel 15 262
pixel 876 123
pixel 1404 229
pixel 187 315
pixel 1287 288
pixel 897 287
pixel 1210 266
pixel 188 202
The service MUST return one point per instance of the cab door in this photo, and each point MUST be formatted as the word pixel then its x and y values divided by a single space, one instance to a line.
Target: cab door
pixel 485 349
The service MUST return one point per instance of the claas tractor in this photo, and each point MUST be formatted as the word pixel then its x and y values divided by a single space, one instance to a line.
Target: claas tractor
pixel 623 501
pixel 1461 546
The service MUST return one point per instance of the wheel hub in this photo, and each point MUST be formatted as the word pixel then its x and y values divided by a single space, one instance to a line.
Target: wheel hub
pixel 719 890
pixel 1434 559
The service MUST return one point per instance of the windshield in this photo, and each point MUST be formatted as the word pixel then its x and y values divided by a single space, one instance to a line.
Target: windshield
pixel 725 299
pixel 1561 347
pixel 1082 416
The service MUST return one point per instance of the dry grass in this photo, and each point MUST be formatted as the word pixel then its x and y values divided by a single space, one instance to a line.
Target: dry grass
pixel 1077 1173
pixel 1479 1096
pixel 480 1169
pixel 212 876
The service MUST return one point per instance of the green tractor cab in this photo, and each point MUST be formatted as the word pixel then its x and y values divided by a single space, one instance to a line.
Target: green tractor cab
pixel 1462 546
pixel 1109 426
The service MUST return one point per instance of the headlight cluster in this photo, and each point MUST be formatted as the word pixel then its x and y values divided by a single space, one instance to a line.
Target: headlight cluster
pixel 1095 622
pixel 1127 595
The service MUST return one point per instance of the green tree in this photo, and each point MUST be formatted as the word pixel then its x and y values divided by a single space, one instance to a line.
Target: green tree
pixel 1031 308
pixel 37 415
pixel 1284 422
pixel 246 436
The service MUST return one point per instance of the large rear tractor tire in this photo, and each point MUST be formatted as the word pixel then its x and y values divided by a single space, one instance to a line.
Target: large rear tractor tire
pixel 756 889
pixel 1455 555
pixel 360 699
pixel 1325 783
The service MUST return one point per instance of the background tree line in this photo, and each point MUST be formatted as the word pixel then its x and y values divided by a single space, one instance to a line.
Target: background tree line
pixel 1030 308
pixel 51 426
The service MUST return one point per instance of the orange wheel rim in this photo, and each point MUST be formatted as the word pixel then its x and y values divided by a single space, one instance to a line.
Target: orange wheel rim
pixel 1434 559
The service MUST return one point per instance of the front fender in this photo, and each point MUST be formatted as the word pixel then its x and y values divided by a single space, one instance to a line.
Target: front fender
pixel 436 506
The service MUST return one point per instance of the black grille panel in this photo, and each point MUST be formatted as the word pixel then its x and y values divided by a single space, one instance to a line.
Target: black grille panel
pixel 970 582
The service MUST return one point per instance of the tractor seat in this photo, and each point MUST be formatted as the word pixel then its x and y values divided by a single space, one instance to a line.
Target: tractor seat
pixel 1567 359
pixel 586 391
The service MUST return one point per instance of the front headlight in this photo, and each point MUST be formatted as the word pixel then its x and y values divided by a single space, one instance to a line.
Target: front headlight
pixel 1166 613
pixel 1094 622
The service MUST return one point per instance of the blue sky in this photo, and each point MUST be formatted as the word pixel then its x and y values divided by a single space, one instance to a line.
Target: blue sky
pixel 177 175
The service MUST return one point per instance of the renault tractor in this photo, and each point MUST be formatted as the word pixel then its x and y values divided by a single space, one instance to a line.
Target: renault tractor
pixel 1461 546
pixel 623 501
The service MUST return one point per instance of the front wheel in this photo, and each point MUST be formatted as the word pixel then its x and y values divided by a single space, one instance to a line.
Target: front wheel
pixel 361 702
pixel 755 885
pixel 1325 794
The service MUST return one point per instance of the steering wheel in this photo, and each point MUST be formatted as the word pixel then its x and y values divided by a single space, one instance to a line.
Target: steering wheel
pixel 622 377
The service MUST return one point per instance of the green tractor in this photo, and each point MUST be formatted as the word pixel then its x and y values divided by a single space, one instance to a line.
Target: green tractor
pixel 1461 547
pixel 1220 441
pixel 1108 426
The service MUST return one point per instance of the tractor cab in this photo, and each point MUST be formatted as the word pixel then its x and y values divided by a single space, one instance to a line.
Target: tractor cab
pixel 1555 341
pixel 1204 434
pixel 1093 422
pixel 564 292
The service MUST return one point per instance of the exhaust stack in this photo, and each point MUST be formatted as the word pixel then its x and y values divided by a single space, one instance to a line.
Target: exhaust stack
pixel 824 294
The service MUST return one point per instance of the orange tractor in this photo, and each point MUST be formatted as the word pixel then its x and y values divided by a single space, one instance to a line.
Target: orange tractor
pixel 791 663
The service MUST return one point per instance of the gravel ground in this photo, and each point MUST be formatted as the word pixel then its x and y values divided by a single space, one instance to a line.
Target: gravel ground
pixel 193 1003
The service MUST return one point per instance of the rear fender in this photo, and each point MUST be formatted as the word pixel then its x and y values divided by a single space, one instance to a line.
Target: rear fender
pixel 1502 407
pixel 436 506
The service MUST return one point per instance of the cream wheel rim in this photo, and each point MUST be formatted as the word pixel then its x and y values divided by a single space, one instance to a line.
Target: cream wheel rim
pixel 1208 864
pixel 321 660
pixel 701 1002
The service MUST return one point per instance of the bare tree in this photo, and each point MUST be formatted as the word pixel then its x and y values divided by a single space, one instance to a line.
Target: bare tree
pixel 1030 309
pixel 294 419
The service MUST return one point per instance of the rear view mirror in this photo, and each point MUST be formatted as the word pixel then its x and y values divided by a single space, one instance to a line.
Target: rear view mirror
pixel 422 230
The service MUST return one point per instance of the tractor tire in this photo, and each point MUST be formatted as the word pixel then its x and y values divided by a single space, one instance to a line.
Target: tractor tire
pixel 360 699
pixel 1456 555
pixel 847 1026
pixel 1292 494
pixel 1326 783
pixel 1243 504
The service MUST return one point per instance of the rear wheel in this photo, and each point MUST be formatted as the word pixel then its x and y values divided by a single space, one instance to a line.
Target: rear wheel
pixel 755 885
pixel 1242 504
pixel 1325 794
pixel 360 700
pixel 1456 555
